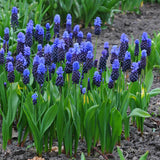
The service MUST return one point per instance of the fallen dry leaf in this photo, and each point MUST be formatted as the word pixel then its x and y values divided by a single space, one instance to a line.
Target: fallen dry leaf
pixel 37 158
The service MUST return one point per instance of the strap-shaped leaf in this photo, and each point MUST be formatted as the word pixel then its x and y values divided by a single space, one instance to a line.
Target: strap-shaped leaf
pixel 137 112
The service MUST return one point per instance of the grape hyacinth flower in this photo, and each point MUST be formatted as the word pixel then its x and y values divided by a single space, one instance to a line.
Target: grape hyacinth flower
pixel 149 43
pixel 14 18
pixel 115 70
pixel 47 54
pixel 34 98
pixel 36 62
pixel 134 73
pixel 26 74
pixel 59 80
pixel 95 63
pixel 6 46
pixel 71 40
pixel 83 90
pixel 97 26
pixel 54 49
pixel 9 58
pixel 48 34
pixel 68 68
pixel 75 53
pixel 6 34
pixel 41 73
pixel 27 52
pixel 106 47
pixel 10 69
pixel 5 84
pixel 21 63
pixel 39 52
pixel 123 48
pixel 144 43
pixel 51 70
pixel 37 27
pixel 56 25
pixel 136 50
pixel 143 59
pixel 2 60
pixel 61 50
pixel 97 79
pixel 126 62
pixel 110 83
pixel 102 62
pixel 89 37
pixel 83 52
pixel 20 43
pixel 79 37
pixel 114 53
pixel 139 67
pixel 69 25
pixel 75 31
pixel 89 60
pixel 31 24
pixel 40 35
pixel 29 36
pixel 66 40
pixel 88 85
pixel 76 74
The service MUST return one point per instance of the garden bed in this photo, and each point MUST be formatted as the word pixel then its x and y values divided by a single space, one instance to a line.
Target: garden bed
pixel 133 25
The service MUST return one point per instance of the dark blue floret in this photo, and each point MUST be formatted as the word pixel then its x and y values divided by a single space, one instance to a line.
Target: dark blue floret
pixel 97 26
pixel 66 40
pixel 14 18
pixel 75 31
pixel 54 49
pixel 97 79
pixel 10 76
pixel 41 73
pixel 126 62
pixel 27 53
pixel 110 83
pixel 28 36
pixel 115 70
pixel 21 63
pixel 48 34
pixel 76 73
pixel 136 50
pixel 144 43
pixel 20 43
pixel 26 74
pixel 40 51
pixel 47 55
pixel 114 54
pixel 134 73
pixel 40 35
pixel 79 37
pixel 61 50
pixel 56 25
pixel 34 98
pixel 89 37
pixel 2 60
pixel 59 80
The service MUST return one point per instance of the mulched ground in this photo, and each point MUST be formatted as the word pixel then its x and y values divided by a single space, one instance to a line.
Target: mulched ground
pixel 133 25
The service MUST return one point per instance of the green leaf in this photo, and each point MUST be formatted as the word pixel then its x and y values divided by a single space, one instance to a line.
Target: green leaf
pixel 82 156
pixel 148 80
pixel 137 112
pixel 120 153
pixel 48 118
pixel 154 92
pixel 144 156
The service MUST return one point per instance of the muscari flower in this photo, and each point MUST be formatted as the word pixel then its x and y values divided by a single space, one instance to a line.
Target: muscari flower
pixel 89 46
pixel 36 62
pixel 28 36
pixel 149 44
pixel 88 85
pixel 106 47
pixel 2 60
pixel 6 34
pixel 20 43
pixel 66 40
pixel 97 79
pixel 37 27
pixel 97 26
pixel 54 49
pixel 75 31
pixel 27 53
pixel 114 53
pixel 143 59
pixel 41 73
pixel 56 25
pixel 34 98
pixel 110 83
pixel 79 37
pixel 126 62
pixel 26 74
pixel 75 53
pixel 144 43
pixel 9 58
pixel 89 37
pixel 39 52
pixel 61 50
pixel 21 63
pixel 40 35
pixel 14 18
pixel 83 90
pixel 136 50
pixel 69 25
pixel 83 52
pixel 68 68
pixel 102 62
pixel 71 39
pixel 59 80
pixel 48 34
pixel 134 73
pixel 76 73
pixel 47 54
pixel 89 60
pixel 95 63
pixel 10 69
pixel 115 70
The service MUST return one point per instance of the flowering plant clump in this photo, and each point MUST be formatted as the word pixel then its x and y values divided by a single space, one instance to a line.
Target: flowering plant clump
pixel 55 88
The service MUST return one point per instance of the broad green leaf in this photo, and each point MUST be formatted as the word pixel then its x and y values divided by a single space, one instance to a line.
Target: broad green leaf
pixel 48 118
pixel 148 80
pixel 137 112
pixel 154 92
